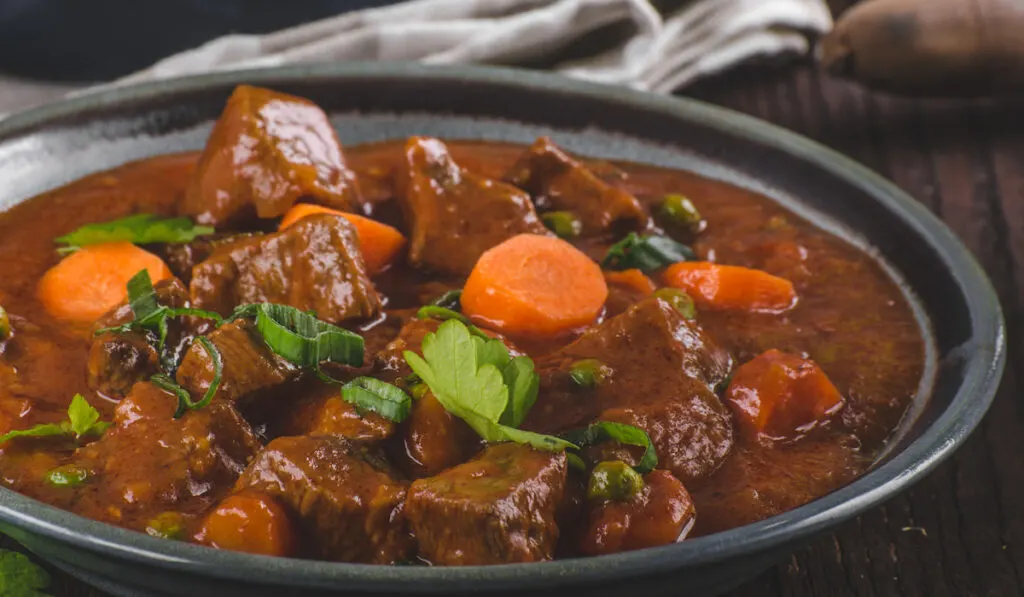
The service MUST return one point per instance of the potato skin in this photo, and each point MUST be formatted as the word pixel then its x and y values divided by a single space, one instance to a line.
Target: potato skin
pixel 946 48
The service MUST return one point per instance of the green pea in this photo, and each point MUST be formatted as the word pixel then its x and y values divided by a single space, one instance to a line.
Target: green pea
pixel 418 390
pixel 562 223
pixel 680 210
pixel 681 301
pixel 167 525
pixel 68 475
pixel 5 325
pixel 614 480
pixel 588 373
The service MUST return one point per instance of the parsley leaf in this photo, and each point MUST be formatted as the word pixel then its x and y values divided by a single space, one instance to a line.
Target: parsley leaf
pixel 475 379
pixel 83 420
pixel 20 577
pixel 140 229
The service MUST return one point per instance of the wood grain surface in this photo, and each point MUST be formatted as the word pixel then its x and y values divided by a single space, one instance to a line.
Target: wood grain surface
pixel 960 532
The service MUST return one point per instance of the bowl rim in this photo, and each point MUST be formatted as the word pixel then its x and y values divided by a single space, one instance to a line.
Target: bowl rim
pixel 981 376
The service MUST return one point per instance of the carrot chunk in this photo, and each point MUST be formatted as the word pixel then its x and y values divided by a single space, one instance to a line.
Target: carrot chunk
pixel 779 396
pixel 91 281
pixel 534 285
pixel 633 279
pixel 252 522
pixel 730 287
pixel 379 243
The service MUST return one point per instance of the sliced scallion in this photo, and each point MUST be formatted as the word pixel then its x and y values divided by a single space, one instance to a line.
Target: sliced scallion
pixel 376 396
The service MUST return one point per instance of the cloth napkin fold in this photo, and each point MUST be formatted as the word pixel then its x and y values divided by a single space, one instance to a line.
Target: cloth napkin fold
pixel 653 45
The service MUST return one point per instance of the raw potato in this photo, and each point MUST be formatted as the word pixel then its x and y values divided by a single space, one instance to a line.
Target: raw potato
pixel 938 47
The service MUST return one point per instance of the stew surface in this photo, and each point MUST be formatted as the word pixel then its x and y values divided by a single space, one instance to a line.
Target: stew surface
pixel 761 361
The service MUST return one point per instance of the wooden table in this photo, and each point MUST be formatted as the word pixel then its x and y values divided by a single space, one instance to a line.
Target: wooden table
pixel 960 532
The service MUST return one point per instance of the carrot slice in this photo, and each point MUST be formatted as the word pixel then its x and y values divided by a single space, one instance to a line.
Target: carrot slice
pixel 534 285
pixel 781 396
pixel 92 280
pixel 633 279
pixel 379 243
pixel 252 522
pixel 715 286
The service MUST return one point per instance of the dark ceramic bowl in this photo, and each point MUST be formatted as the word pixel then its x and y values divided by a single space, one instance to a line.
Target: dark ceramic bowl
pixel 953 298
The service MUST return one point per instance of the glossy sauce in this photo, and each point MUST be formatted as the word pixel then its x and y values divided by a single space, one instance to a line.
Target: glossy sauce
pixel 852 319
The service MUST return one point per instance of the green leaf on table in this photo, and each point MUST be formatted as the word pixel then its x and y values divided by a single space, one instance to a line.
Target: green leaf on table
pixel 20 577
pixel 140 229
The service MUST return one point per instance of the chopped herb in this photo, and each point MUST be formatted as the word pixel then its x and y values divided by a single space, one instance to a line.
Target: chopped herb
pixel 679 300
pixel 374 395
pixel 140 229
pixel 165 382
pixel 302 339
pixel 83 420
pixel 476 380
pixel 20 577
pixel 589 373
pixel 625 434
pixel 614 480
pixel 449 300
pixel 563 223
pixel 68 475
pixel 646 253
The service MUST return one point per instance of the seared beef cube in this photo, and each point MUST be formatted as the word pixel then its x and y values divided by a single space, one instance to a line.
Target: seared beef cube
pixel 322 411
pixel 117 360
pixel 455 215
pixel 343 495
pixel 250 368
pixel 267 151
pixel 498 508
pixel 389 364
pixel 150 462
pixel 314 264
pixel 660 370
pixel 558 182
pixel 182 257
pixel 434 439
pixel 692 436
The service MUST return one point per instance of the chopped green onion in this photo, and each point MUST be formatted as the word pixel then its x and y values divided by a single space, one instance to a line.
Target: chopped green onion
pixel 185 402
pixel 646 253
pixel 376 396
pixel 589 373
pixel 679 300
pixel 444 314
pixel 167 525
pixel 140 229
pixel 622 433
pixel 68 475
pixel 680 210
pixel 563 223
pixel 5 325
pixel 301 338
pixel 449 300
pixel 614 480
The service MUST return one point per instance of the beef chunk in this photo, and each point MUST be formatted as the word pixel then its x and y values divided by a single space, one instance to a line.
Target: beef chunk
pixel 266 151
pixel 434 439
pixel 182 257
pixel 498 508
pixel 455 215
pixel 149 461
pixel 662 369
pixel 321 411
pixel 342 494
pixel 118 360
pixel 389 364
pixel 558 182
pixel 314 264
pixel 250 367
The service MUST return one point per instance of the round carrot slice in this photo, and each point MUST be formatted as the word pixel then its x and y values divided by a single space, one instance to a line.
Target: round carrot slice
pixel 534 285
pixel 92 280
pixel 378 242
